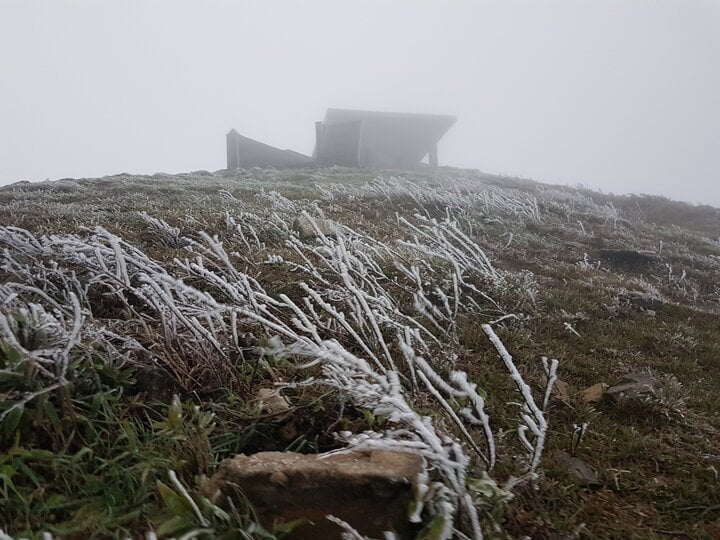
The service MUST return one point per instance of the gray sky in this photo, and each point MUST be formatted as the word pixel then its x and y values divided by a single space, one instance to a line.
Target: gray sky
pixel 619 95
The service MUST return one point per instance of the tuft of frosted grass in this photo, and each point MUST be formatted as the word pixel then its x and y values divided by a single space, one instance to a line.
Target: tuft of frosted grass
pixel 533 416
pixel 455 193
pixel 49 339
pixel 163 232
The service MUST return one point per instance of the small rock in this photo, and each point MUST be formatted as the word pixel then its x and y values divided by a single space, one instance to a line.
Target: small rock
pixel 634 386
pixel 305 229
pixel 643 300
pixel 369 490
pixel 581 473
pixel 272 401
pixel 560 391
pixel 594 393
pixel 629 257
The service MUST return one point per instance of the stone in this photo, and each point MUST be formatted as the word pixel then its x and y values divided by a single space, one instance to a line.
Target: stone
pixel 594 393
pixel 272 401
pixel 369 490
pixel 305 229
pixel 560 391
pixel 581 473
pixel 628 257
pixel 634 386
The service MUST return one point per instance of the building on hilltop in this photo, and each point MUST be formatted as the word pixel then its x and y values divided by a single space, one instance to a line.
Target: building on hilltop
pixel 353 139
pixel 382 140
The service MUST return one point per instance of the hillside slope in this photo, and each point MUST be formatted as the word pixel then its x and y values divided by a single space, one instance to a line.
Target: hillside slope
pixel 121 292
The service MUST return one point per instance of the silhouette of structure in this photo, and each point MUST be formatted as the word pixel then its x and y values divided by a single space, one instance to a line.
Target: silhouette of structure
pixel 352 139
pixel 243 152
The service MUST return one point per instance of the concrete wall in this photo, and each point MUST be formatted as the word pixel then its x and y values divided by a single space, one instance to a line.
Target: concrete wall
pixel 339 144
pixel 243 152
pixel 379 139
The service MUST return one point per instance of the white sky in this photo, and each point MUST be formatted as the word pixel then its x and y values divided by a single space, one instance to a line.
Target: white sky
pixel 622 95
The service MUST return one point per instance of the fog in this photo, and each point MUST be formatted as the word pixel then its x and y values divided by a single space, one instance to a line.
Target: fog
pixel 616 95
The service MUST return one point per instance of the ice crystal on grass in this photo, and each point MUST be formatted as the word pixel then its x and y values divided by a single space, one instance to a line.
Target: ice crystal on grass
pixel 349 317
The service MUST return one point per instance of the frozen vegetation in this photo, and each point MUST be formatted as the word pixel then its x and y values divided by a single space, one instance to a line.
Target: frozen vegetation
pixel 141 318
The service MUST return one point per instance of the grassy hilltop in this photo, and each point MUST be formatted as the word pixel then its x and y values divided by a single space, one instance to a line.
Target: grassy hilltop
pixel 151 326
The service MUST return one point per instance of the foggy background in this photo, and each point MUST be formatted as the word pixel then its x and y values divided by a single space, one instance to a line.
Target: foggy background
pixel 618 95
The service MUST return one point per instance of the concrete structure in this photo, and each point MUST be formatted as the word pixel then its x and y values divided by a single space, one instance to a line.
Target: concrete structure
pixel 380 140
pixel 243 152
pixel 352 138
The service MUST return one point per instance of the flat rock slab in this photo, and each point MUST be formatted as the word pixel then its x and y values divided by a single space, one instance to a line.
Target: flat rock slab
pixel 370 490
pixel 628 257
pixel 633 386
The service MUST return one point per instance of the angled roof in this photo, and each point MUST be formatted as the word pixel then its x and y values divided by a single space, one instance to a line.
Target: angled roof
pixel 246 152
pixel 393 139
pixel 439 123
